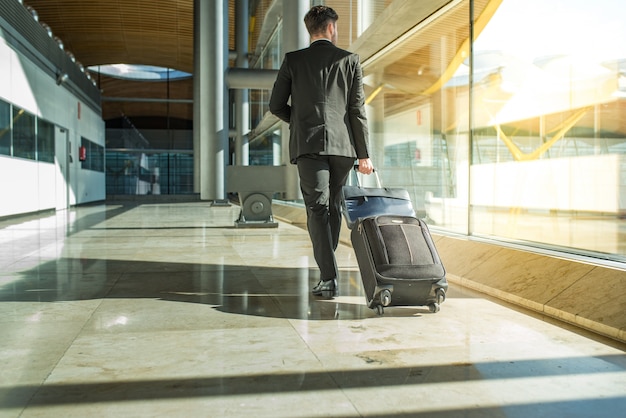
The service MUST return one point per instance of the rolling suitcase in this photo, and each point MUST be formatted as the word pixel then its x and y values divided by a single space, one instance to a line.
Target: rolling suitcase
pixel 395 252
pixel 399 263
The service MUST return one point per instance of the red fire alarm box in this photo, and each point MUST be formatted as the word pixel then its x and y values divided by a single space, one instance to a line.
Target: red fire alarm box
pixel 82 153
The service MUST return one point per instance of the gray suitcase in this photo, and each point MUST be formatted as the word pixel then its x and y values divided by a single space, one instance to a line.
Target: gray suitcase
pixel 399 263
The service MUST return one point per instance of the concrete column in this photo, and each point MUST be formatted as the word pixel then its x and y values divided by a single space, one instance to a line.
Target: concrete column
pixel 201 38
pixel 242 100
pixel 210 97
pixel 294 36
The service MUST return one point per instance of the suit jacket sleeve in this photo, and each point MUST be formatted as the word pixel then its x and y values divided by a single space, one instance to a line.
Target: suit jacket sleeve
pixel 279 100
pixel 356 113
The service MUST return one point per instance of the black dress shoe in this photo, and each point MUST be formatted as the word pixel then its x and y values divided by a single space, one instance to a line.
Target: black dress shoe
pixel 326 288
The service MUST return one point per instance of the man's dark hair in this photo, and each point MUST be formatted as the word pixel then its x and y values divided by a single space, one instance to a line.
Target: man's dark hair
pixel 318 18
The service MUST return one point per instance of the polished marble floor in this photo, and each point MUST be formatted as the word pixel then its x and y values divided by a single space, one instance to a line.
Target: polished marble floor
pixel 168 310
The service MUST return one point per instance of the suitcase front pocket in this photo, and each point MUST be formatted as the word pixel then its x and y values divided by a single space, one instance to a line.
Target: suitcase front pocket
pixel 405 244
pixel 405 251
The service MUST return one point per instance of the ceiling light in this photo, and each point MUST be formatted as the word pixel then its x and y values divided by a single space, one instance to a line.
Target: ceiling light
pixel 59 42
pixel 33 13
pixel 61 78
pixel 46 28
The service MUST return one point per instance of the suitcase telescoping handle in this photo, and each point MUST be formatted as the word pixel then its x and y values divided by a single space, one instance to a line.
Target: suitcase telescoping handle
pixel 356 176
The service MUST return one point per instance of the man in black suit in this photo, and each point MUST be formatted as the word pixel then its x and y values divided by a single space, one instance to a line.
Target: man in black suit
pixel 328 131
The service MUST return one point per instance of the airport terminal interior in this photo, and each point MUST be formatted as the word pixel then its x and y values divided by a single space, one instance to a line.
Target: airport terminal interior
pixel 154 254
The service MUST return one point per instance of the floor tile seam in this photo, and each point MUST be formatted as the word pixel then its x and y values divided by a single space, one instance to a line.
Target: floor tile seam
pixel 69 345
pixel 328 373
pixel 101 300
pixel 19 260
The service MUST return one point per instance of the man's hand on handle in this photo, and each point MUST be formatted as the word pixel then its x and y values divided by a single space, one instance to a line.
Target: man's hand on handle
pixel 365 166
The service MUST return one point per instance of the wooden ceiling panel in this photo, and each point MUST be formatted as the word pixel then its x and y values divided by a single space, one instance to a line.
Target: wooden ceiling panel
pixel 154 32
pixel 146 32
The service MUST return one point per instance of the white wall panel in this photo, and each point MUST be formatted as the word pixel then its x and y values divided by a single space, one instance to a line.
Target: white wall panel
pixel 5 69
pixel 19 186
pixel 29 186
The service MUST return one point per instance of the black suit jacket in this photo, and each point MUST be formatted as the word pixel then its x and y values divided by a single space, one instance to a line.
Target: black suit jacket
pixel 326 115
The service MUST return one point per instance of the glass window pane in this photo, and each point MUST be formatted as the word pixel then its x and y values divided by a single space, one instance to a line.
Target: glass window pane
pixel 45 141
pixel 24 142
pixel 134 172
pixel 419 115
pixel 5 128
pixel 550 139
pixel 94 156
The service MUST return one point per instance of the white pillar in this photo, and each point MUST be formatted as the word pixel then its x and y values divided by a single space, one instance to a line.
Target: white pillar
pixel 210 97
pixel 201 37
pixel 242 100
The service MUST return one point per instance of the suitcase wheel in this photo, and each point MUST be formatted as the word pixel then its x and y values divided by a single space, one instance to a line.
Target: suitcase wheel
pixel 433 307
pixel 379 310
pixel 441 296
pixel 385 297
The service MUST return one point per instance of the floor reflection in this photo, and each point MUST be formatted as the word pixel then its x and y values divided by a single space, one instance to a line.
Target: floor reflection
pixel 167 310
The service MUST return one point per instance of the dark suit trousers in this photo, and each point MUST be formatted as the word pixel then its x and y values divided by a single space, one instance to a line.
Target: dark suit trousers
pixel 321 179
